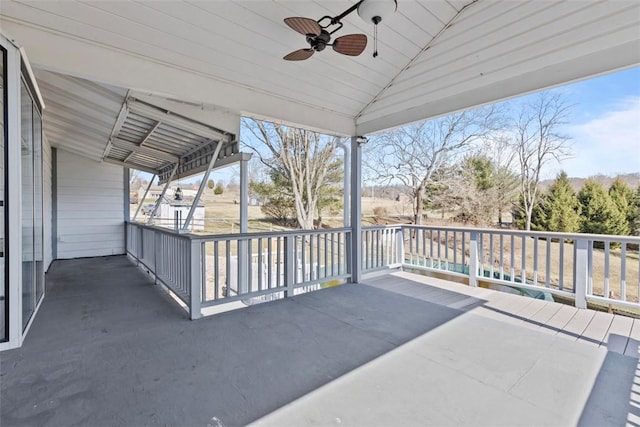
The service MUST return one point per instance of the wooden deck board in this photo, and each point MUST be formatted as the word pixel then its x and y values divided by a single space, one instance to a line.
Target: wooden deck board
pixel 557 323
pixel 618 333
pixel 576 326
pixel 633 345
pixel 596 330
pixel 546 313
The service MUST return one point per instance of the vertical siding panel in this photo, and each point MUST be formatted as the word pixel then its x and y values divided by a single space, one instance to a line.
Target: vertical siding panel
pixel 90 207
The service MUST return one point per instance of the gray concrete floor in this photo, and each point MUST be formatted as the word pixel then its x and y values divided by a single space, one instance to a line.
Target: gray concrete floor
pixel 109 348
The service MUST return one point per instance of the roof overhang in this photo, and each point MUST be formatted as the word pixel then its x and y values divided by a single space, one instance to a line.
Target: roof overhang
pixel 436 56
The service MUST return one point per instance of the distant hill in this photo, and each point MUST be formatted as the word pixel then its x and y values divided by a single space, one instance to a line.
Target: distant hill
pixel 631 179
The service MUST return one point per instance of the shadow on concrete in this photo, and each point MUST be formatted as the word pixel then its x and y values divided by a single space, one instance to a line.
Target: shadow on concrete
pixel 110 348
pixel 613 400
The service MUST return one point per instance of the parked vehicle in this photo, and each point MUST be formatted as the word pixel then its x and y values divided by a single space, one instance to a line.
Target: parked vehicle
pixel 147 209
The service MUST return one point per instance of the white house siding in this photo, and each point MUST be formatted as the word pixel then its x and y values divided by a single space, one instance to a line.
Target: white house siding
pixel 46 203
pixel 90 207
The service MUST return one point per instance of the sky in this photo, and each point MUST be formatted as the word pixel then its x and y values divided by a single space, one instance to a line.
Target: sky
pixel 604 127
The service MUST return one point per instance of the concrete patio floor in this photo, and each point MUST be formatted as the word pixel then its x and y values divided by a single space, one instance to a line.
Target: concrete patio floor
pixel 110 348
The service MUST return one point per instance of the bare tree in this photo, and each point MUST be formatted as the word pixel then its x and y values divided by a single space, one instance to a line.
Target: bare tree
pixel 302 157
pixel 537 142
pixel 410 155
pixel 503 158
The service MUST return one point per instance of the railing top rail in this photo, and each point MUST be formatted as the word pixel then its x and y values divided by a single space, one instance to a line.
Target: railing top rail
pixel 236 236
pixel 547 234
pixel 382 227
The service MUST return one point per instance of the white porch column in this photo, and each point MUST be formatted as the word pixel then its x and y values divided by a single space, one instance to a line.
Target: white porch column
pixel 244 195
pixel 346 199
pixel 356 209
pixel 243 253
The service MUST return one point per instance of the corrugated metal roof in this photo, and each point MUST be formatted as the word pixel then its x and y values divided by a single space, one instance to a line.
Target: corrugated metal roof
pixel 105 124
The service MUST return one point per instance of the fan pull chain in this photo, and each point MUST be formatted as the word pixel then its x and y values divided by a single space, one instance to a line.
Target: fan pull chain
pixel 375 40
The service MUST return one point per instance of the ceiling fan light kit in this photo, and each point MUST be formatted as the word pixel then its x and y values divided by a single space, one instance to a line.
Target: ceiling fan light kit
pixel 318 33
pixel 375 10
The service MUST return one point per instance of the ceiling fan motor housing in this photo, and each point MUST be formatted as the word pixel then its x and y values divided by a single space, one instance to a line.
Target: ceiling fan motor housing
pixel 319 42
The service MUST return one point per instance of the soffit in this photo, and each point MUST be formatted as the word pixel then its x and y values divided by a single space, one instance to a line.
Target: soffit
pixel 436 56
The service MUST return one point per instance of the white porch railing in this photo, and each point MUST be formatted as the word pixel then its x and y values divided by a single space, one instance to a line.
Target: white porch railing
pixel 204 271
pixel 583 267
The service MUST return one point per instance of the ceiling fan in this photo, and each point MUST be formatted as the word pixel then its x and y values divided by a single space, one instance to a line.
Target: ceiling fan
pixel 318 33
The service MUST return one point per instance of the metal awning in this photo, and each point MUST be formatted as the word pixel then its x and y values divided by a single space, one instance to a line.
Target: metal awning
pixel 106 123
pixel 154 139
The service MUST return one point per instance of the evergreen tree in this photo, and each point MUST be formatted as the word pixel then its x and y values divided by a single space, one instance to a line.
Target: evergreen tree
pixel 600 215
pixel 623 196
pixel 561 206
pixel 635 213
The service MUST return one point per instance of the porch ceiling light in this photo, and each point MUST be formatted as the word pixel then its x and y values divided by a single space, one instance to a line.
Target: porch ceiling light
pixel 374 11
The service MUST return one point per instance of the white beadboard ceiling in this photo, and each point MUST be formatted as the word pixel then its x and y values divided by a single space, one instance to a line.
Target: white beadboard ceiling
pixel 435 56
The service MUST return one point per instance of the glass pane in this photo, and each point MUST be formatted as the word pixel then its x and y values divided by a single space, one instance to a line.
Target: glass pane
pixel 4 311
pixel 37 205
pixel 28 284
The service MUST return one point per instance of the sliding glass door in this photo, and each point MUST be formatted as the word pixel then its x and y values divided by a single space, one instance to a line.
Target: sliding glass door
pixel 31 171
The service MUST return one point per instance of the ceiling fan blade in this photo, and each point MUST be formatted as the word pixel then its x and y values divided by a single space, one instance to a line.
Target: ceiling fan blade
pixel 351 44
pixel 304 26
pixel 299 55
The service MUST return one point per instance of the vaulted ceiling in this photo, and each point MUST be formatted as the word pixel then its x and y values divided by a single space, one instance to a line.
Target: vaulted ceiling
pixel 435 56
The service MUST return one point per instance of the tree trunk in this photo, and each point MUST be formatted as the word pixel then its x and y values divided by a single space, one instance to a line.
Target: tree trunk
pixel 419 206
pixel 528 222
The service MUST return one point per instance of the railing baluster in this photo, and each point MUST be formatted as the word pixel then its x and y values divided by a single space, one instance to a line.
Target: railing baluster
pixel 446 250
pixel 535 261
pixel 260 284
pixel 501 256
pixel 513 259
pixel 303 243
pixel 227 251
pixel 326 263
pixel 523 267
pixel 439 252
pixel 491 261
pixel 607 253
pixel 279 260
pixel 480 269
pixel 455 250
pixel 203 273
pixel 318 252
pixel 464 250
pixel 269 263
pixel 431 247
pixel 561 266
pixel 547 269
pixel 340 263
pixel 590 268
pixel 216 270
pixel 623 272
